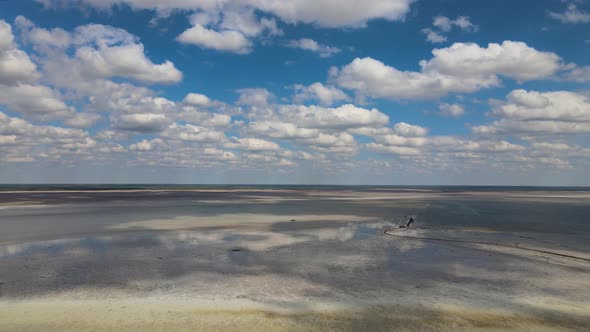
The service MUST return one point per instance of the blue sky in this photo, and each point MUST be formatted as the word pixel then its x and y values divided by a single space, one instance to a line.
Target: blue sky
pixel 256 91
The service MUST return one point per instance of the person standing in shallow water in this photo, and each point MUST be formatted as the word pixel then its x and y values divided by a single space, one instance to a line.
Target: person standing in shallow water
pixel 410 222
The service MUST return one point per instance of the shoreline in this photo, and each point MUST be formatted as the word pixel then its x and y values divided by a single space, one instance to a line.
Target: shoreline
pixel 156 314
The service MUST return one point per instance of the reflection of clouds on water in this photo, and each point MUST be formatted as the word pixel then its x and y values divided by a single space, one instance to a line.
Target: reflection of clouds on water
pixel 232 219
pixel 48 247
pixel 406 245
pixel 173 240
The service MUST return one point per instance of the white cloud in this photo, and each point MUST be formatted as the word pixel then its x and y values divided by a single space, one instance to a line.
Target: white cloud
pixel 285 162
pixel 345 116
pixel 326 13
pixel 196 99
pixel 339 139
pixel 514 60
pixel 452 110
pixel 226 40
pixel 506 126
pixel 140 122
pixel 550 146
pixel 434 37
pixel 252 144
pixel 43 39
pixel 192 133
pixel 401 141
pixel 571 15
pixel 245 21
pixel 341 143
pixel 326 95
pixel 188 114
pixel 15 65
pixel 532 105
pixel 220 154
pixel 540 113
pixel 231 26
pixel 102 51
pixel 307 44
pixel 82 120
pixel 281 130
pixel 230 30
pixel 578 74
pixel 441 145
pixel 126 61
pixel 145 145
pixel 408 130
pixel 34 101
pixel 39 141
pixel 446 24
pixel 483 146
pixel 389 149
pixel 254 97
pixel 459 68
pixel 6 36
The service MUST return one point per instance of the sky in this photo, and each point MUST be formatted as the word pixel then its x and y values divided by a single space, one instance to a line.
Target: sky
pixel 407 92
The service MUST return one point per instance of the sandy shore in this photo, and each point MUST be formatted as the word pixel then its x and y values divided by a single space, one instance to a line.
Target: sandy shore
pixel 173 315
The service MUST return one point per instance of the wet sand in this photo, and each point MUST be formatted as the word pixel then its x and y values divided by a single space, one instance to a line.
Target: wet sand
pixel 294 260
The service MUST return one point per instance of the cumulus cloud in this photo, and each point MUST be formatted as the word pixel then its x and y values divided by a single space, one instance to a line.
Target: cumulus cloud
pixel 227 40
pixel 392 149
pixel 441 145
pixel 459 68
pixel 15 65
pixel 557 105
pixel 325 13
pixel 281 130
pixel 229 30
pixel 252 144
pixel 577 74
pixel 337 143
pixel 307 44
pixel 406 129
pixel 433 36
pixel 196 99
pixel 39 141
pixel 345 116
pixel 443 24
pixel 140 122
pixel 326 95
pixel 192 133
pixel 446 24
pixel 7 139
pixel 532 112
pixel 91 68
pixel 35 102
pixel 232 26
pixel 254 97
pixel 102 51
pixel 401 141
pixel 82 120
pixel 187 114
pixel 571 15
pixel 43 39
pixel 451 110
pixel 146 145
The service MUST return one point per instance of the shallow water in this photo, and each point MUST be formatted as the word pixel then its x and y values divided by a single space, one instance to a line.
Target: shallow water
pixel 299 250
